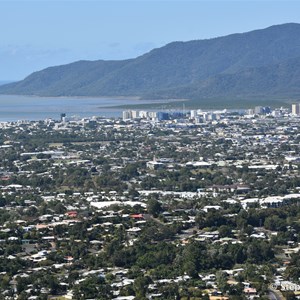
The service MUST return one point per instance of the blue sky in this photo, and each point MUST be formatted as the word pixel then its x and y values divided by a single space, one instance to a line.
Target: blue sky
pixel 42 33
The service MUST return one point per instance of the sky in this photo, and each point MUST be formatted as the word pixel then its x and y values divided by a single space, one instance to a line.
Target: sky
pixel 42 33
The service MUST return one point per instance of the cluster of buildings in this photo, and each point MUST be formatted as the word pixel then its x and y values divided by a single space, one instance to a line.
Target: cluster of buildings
pixel 202 116
pixel 68 188
pixel 149 115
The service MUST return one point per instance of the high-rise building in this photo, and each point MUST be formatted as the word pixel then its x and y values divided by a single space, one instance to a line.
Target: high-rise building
pixel 296 109
pixel 126 115
pixel 258 110
pixel 162 115
pixel 262 110
pixel 152 114
pixel 63 117
pixel 193 114
pixel 143 114
pixel 135 114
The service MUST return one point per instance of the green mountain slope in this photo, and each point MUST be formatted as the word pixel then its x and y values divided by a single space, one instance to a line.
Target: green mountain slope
pixel 256 62
pixel 278 80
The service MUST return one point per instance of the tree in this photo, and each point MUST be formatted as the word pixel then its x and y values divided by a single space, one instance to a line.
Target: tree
pixel 93 287
pixel 140 285
pixel 225 231
pixel 221 279
pixel 275 223
pixel 154 207
pixel 194 259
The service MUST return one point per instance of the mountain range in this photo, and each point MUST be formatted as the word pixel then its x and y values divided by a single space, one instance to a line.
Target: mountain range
pixel 260 63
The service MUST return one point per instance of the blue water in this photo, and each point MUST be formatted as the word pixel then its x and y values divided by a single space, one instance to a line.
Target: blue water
pixel 13 108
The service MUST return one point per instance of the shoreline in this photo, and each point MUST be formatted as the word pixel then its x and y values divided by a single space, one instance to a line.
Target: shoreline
pixel 131 98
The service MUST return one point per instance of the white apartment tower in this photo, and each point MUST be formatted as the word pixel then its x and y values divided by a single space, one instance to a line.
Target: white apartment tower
pixel 126 115
pixel 296 109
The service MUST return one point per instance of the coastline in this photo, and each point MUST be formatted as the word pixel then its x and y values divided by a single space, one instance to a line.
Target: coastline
pixel 16 107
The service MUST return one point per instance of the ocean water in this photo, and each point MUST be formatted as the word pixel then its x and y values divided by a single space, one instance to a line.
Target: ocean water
pixel 13 108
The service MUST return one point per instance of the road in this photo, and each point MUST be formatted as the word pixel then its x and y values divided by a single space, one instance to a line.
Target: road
pixel 275 295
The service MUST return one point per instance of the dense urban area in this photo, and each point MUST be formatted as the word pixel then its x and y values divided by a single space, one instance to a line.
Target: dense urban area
pixel 154 205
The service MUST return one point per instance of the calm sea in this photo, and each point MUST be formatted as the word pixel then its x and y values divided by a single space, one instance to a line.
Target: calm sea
pixel 13 108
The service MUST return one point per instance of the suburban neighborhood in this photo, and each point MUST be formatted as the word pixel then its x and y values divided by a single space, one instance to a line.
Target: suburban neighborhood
pixel 153 205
